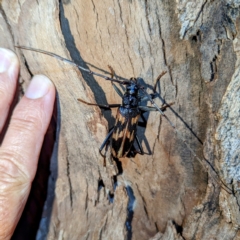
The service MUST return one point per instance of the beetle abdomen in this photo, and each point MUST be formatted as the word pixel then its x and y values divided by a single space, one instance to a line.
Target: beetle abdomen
pixel 124 131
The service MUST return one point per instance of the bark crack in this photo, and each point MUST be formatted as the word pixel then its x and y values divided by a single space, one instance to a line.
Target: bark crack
pixel 130 60
pixel 157 139
pixel 94 10
pixel 86 199
pixel 76 15
pixel 139 50
pixel 213 68
pixel 6 21
pixel 192 23
pixel 197 220
pixel 19 3
pixel 199 13
pixel 144 202
pixel 27 66
pixel 121 18
pixel 69 178
pixel 146 14
pixel 120 11
pixel 145 38
pixel 164 52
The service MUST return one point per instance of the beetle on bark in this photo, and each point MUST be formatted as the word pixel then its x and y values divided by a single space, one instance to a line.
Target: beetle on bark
pixel 123 134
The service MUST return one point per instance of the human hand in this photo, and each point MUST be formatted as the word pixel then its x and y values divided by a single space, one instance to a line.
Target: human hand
pixel 22 142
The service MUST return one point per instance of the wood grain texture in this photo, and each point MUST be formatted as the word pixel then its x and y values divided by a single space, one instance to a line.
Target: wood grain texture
pixel 167 193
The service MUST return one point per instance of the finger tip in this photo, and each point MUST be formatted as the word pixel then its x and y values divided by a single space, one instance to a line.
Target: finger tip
pixel 9 54
pixel 9 62
pixel 39 86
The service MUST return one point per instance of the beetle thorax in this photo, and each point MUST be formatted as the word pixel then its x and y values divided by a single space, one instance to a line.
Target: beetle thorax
pixel 130 98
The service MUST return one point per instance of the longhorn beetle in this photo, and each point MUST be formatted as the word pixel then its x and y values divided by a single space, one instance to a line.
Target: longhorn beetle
pixel 124 131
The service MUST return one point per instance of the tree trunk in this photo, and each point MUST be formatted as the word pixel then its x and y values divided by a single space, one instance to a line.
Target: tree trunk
pixel 167 193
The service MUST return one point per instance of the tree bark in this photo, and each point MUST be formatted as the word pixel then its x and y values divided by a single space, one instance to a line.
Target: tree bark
pixel 167 193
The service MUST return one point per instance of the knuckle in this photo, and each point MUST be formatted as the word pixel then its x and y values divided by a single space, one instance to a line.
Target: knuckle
pixel 14 185
pixel 12 174
pixel 27 123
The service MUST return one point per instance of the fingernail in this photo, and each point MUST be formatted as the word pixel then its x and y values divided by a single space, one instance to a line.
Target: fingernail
pixel 7 59
pixel 39 86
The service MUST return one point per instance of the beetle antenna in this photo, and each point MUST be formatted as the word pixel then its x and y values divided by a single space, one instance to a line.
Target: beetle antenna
pixel 205 163
pixel 74 64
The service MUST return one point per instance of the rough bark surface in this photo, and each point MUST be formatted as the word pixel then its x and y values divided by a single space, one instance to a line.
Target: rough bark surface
pixel 166 193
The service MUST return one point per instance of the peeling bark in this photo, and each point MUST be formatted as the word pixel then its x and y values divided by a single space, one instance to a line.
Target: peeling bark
pixel 167 193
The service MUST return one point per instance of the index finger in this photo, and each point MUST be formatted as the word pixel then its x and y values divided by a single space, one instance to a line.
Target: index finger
pixel 20 151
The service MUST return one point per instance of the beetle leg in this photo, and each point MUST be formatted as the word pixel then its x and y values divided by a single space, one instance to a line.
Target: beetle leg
pixel 144 122
pixel 118 91
pixel 112 72
pixel 157 80
pixel 145 98
pixel 105 141
pixel 134 151
pixel 107 106
pixel 139 146
pixel 148 108
pixel 153 95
